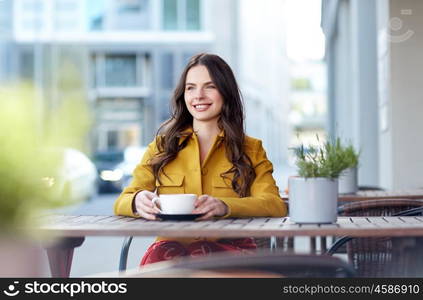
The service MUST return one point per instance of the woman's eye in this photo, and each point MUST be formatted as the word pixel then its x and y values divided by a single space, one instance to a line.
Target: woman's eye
pixel 211 87
pixel 189 88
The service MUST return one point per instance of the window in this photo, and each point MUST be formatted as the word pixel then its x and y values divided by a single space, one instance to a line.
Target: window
pixel 120 70
pixel 118 122
pixel 181 15
pixel 65 24
pixel 65 5
pixel 131 6
pixel 167 70
pixel 95 14
pixel 112 139
pixel 193 15
pixel 131 15
pixel 170 14
pixel 33 24
pixel 27 65
pixel 33 6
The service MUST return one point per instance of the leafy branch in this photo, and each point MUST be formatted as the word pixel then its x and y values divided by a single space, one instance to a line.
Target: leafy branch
pixel 328 160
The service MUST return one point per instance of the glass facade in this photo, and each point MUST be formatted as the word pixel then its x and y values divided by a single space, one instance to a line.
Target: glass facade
pixel 170 14
pixel 131 6
pixel 176 15
pixel 112 139
pixel 192 14
pixel 181 15
pixel 65 5
pixel 167 70
pixel 114 70
pixel 118 123
pixel 120 70
pixel 96 10
pixel 26 65
pixel 132 15
pixel 33 6
pixel 141 72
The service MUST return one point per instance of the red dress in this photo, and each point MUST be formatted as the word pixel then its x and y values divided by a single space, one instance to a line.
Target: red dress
pixel 167 250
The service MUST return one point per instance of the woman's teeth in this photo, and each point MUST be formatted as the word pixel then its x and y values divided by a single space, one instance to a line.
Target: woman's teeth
pixel 202 106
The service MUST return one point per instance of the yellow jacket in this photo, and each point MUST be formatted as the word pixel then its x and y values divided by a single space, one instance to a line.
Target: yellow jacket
pixel 186 175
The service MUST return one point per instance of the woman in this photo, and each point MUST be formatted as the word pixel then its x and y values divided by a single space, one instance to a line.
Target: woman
pixel 202 149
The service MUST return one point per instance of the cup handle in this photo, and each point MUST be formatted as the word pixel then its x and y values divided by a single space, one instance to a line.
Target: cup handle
pixel 155 200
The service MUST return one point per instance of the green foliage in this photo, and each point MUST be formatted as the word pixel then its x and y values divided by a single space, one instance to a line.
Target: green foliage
pixel 328 160
pixel 29 158
pixel 301 84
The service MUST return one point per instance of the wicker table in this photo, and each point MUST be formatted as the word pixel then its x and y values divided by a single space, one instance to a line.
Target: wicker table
pixel 75 228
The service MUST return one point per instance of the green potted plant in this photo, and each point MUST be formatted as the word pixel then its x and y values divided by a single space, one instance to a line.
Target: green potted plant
pixel 313 194
pixel 29 168
pixel 348 179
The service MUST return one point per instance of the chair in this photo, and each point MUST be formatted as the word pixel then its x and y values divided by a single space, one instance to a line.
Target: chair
pixel 262 243
pixel 260 264
pixel 378 207
pixel 382 256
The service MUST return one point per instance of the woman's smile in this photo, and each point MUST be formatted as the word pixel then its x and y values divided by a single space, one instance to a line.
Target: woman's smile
pixel 202 107
pixel 202 98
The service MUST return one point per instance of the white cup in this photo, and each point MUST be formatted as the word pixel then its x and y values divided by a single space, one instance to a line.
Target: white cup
pixel 175 204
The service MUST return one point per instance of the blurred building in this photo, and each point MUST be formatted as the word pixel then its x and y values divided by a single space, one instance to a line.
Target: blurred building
pixel 263 75
pixel 126 55
pixel 374 58
pixel 307 75
pixel 307 114
pixel 6 29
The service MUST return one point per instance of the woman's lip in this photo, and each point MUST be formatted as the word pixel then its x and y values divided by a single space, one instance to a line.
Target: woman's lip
pixel 204 107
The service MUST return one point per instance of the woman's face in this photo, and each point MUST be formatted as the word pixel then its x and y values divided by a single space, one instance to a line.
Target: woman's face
pixel 202 97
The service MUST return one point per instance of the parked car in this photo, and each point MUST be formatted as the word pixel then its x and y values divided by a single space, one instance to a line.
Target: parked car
pixel 108 176
pixel 76 179
pixel 115 168
pixel 132 157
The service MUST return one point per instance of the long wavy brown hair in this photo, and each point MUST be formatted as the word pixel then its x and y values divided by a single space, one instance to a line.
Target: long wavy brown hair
pixel 231 120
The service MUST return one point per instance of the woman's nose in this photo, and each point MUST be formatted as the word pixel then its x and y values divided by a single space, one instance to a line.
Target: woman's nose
pixel 199 93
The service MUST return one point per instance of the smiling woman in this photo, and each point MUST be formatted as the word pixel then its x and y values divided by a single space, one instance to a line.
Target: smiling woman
pixel 203 150
pixel 202 98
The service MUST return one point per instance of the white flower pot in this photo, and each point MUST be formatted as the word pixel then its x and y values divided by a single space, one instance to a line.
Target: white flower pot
pixel 348 181
pixel 313 200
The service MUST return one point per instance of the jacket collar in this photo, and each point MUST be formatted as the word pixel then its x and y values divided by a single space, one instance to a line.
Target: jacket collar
pixel 188 132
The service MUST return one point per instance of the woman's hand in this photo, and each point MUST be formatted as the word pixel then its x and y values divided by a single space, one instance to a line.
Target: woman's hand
pixel 209 206
pixel 144 205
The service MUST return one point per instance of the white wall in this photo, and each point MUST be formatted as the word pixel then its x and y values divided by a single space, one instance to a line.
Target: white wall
pixel 351 54
pixel 401 140
pixel 385 136
pixel 364 89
